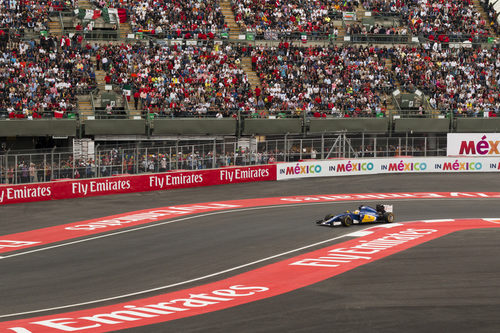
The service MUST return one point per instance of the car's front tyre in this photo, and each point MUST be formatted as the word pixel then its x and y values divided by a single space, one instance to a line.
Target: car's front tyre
pixel 329 216
pixel 346 221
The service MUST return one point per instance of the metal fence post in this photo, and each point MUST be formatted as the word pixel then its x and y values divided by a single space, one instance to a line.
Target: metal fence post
pixel 300 148
pixel 363 144
pixel 98 163
pixel 170 158
pixel 123 159
pixel 177 154
pixel 286 148
pixel 235 147
pixel 192 157
pixel 223 152
pixel 213 154
pixel 59 166
pixel 52 163
pixel 406 144
pixel 15 169
pixel 158 164
pixel 7 167
pixel 322 146
pixel 44 167
pixel 136 160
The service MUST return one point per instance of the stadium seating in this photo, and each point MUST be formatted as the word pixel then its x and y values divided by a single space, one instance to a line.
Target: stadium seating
pixel 210 76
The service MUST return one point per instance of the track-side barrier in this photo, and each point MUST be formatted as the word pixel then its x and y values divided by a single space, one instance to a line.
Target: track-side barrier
pixel 70 189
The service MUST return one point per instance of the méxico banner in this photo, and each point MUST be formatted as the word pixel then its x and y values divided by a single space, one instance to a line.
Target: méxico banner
pixel 350 167
pixel 473 144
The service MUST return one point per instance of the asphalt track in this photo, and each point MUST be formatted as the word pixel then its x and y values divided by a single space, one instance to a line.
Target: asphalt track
pixel 451 283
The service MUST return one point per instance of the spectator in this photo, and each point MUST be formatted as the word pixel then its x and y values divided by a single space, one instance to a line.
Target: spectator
pixel 343 80
pixel 279 19
pixel 463 81
pixel 183 81
pixel 38 79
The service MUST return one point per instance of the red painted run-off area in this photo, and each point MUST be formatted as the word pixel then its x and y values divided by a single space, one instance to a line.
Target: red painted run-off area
pixel 268 281
pixel 380 241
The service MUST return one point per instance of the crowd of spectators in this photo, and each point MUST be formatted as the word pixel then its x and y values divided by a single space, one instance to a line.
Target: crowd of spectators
pixel 21 15
pixel 179 80
pixel 42 78
pixel 463 81
pixel 387 7
pixel 344 81
pixel 453 20
pixel 175 19
pixel 446 21
pixel 24 15
pixel 290 17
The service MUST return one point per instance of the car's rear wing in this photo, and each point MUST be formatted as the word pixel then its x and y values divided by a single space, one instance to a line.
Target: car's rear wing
pixel 389 208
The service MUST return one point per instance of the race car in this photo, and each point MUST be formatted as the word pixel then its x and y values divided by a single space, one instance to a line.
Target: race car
pixel 364 214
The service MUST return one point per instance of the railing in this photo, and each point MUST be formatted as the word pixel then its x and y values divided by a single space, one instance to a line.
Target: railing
pixel 379 14
pixel 381 38
pixel 458 37
pixel 97 34
pixel 92 100
pixel 61 22
pixel 44 166
pixel 4 114
pixel 266 114
pixel 48 114
pixel 281 114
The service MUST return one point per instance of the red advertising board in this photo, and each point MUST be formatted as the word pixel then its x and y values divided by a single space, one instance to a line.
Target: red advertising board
pixel 69 189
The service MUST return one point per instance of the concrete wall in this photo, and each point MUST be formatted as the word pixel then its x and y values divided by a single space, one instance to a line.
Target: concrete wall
pixel 59 127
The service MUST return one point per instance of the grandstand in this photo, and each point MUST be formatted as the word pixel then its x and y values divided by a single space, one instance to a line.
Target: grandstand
pixel 125 70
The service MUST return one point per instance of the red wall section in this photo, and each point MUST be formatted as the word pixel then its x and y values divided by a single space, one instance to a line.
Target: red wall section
pixel 69 189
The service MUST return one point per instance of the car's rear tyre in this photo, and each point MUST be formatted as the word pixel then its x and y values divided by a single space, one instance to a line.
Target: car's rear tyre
pixel 388 217
pixel 346 221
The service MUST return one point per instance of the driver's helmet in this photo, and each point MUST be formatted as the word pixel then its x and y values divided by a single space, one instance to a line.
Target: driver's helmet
pixel 380 208
pixel 356 211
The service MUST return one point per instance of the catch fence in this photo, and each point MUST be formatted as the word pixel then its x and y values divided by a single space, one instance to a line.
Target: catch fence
pixel 104 161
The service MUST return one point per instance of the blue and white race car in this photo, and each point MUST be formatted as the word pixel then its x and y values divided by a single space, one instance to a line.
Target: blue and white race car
pixel 364 214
